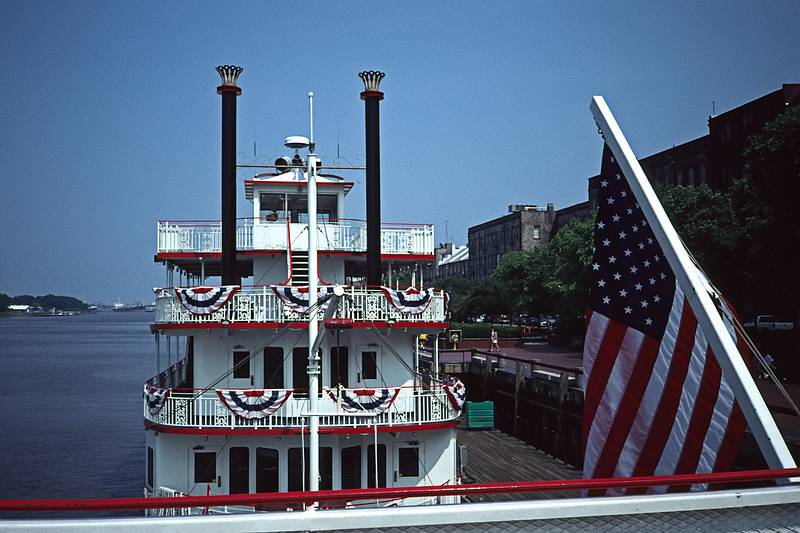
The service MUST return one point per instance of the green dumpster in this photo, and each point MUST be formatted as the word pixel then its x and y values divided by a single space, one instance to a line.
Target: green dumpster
pixel 480 415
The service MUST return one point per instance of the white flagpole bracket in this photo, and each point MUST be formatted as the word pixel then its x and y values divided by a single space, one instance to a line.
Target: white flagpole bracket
pixel 755 410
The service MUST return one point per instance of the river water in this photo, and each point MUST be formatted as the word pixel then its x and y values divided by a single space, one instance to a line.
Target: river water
pixel 72 405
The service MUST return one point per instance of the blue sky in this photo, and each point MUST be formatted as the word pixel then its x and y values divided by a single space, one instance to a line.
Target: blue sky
pixel 110 119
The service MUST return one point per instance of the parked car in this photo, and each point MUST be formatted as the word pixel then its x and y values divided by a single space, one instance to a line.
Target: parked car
pixel 768 323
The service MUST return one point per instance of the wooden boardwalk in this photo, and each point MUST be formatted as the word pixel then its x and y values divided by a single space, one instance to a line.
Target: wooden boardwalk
pixel 495 456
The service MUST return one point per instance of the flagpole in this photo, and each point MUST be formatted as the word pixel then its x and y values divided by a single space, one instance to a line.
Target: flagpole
pixel 755 410
pixel 313 325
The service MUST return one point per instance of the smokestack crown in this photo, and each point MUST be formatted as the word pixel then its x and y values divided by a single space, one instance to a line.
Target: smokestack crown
pixel 372 81
pixel 229 75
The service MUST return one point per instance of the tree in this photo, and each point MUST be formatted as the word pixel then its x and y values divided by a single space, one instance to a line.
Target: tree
pixel 708 227
pixel 765 202
pixel 552 278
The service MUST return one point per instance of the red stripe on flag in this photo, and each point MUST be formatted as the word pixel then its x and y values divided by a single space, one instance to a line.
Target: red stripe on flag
pixel 733 438
pixel 702 412
pixel 603 364
pixel 628 407
pixel 670 395
pixel 734 432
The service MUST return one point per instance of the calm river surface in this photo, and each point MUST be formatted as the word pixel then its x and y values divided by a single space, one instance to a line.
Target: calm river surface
pixel 72 405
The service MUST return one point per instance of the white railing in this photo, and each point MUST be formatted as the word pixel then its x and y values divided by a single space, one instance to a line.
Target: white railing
pixel 204 409
pixel 351 236
pixel 261 304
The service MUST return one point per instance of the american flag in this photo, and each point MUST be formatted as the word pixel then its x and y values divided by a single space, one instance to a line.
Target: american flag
pixel 656 402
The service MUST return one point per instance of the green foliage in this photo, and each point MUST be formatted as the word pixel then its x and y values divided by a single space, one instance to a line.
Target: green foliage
pixel 46 302
pixel 552 278
pixel 459 290
pixel 765 201
pixel 707 225
pixel 481 330
pixel 490 298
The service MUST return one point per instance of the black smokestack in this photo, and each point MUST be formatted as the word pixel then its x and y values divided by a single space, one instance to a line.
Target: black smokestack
pixel 229 91
pixel 372 97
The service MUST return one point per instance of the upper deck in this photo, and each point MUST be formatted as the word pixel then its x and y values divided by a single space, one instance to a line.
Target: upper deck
pixel 176 238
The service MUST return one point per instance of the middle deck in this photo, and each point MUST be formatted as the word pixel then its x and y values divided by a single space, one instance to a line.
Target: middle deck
pixel 261 307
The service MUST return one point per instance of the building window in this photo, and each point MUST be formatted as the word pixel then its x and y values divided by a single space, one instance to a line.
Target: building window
pixel 351 467
pixel 680 178
pixel 702 174
pixel 205 467
pixel 537 232
pixel 150 467
pixel 241 365
pixel 369 365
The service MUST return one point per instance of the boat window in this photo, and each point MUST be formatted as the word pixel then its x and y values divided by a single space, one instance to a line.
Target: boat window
pixel 339 367
pixel 298 208
pixel 241 365
pixel 371 465
pixel 273 207
pixel 408 459
pixel 150 466
pixel 296 468
pixel 205 467
pixel 267 470
pixel 351 467
pixel 273 367
pixel 369 365
pixel 239 470
pixel 300 370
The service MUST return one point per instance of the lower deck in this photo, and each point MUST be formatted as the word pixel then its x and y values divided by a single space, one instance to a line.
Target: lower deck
pixel 240 464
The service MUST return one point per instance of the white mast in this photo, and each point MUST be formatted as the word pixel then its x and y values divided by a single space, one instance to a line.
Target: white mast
pixel 759 419
pixel 313 360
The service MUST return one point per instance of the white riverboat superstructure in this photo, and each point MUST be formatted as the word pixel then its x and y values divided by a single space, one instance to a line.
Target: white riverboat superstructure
pixel 236 411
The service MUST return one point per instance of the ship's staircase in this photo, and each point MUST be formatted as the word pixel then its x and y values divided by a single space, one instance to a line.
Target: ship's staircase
pixel 299 265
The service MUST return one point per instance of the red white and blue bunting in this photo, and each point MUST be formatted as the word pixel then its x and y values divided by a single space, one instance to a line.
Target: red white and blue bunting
pixel 296 298
pixel 412 301
pixel 456 393
pixel 253 403
pixel 205 300
pixel 364 400
pixel 155 398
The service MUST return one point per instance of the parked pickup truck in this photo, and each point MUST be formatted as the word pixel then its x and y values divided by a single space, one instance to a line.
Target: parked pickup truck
pixel 768 323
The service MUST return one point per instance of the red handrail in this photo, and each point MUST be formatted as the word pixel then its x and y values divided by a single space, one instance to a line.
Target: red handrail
pixel 105 504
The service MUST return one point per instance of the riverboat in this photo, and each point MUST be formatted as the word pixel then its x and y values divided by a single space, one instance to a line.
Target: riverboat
pixel 308 377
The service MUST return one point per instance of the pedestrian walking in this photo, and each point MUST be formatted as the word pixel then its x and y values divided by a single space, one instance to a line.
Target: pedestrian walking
pixel 494 347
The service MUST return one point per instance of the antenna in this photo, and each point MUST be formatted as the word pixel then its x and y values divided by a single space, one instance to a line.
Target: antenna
pixel 311 121
pixel 713 108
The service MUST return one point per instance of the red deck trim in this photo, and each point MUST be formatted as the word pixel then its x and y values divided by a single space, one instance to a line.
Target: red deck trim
pixel 299 183
pixel 293 325
pixel 345 253
pixel 106 504
pixel 260 432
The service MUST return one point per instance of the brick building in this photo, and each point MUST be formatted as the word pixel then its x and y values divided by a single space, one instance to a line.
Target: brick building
pixel 524 228
pixel 716 158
